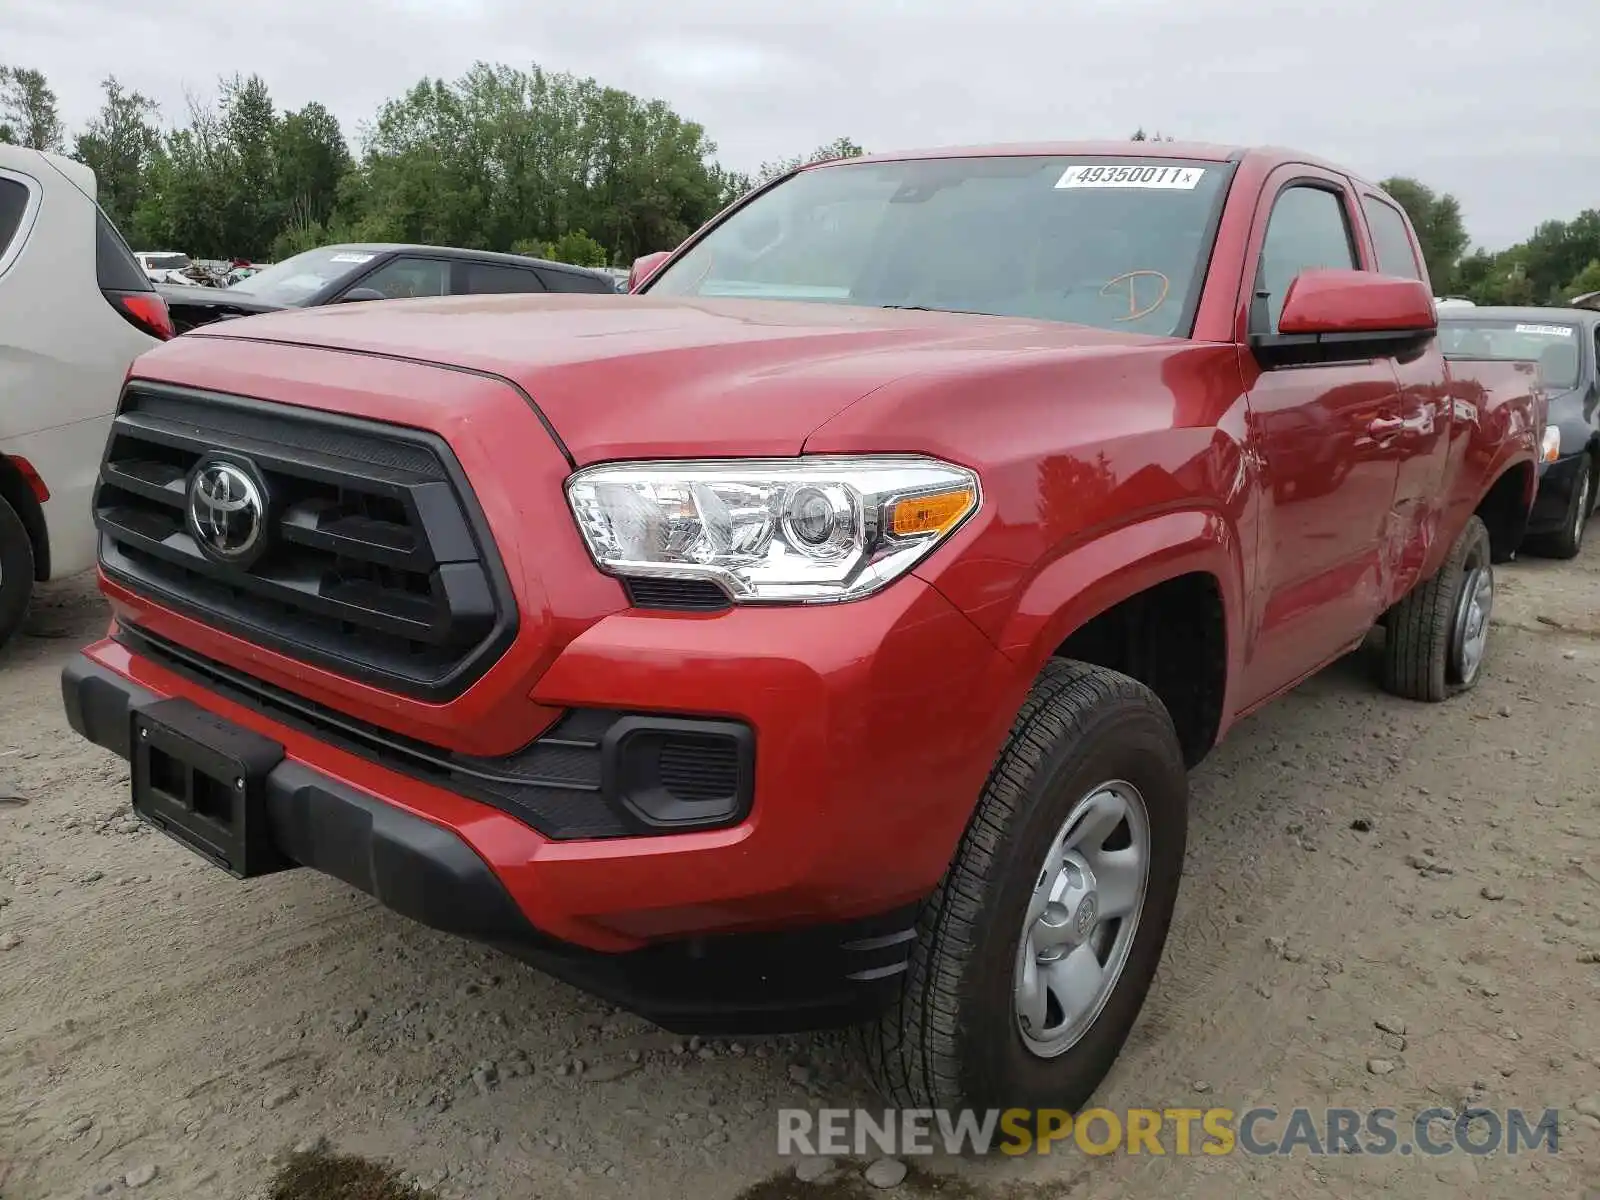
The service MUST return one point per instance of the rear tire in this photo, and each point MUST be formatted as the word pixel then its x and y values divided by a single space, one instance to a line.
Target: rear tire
pixel 1438 635
pixel 1568 540
pixel 16 571
pixel 961 1034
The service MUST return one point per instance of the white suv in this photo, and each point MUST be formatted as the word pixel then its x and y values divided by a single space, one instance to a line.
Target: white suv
pixel 75 310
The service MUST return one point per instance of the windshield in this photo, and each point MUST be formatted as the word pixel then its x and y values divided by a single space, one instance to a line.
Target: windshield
pixel 1553 346
pixel 1119 243
pixel 295 280
pixel 166 262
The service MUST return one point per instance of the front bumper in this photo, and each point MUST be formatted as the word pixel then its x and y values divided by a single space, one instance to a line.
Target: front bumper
pixel 1556 484
pixel 875 725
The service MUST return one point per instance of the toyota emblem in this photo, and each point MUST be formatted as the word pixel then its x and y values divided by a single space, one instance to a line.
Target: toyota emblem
pixel 227 512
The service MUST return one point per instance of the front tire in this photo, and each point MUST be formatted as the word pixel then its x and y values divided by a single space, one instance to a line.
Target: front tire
pixel 1568 540
pixel 1438 635
pixel 16 571
pixel 1036 951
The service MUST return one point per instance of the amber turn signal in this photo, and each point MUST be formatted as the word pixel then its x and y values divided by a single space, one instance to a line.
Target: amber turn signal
pixel 937 512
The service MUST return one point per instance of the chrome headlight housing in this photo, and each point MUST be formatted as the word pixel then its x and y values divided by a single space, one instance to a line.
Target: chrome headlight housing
pixel 791 530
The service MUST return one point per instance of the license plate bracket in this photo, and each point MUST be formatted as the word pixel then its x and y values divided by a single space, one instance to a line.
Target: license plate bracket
pixel 202 781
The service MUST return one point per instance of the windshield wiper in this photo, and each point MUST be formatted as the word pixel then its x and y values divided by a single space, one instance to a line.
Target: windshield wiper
pixel 970 312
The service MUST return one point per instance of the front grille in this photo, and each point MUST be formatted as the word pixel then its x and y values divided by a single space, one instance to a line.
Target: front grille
pixel 372 565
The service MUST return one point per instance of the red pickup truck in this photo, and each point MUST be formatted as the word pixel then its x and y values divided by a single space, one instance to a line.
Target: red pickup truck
pixel 823 633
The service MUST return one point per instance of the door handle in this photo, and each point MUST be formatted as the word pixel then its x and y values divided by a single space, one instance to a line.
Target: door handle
pixel 1382 427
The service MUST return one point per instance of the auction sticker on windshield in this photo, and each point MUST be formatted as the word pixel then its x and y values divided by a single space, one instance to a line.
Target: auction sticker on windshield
pixel 351 258
pixel 1547 330
pixel 1110 175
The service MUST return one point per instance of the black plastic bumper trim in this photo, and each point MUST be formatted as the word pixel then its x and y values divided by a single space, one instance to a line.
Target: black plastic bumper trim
pixel 816 977
pixel 601 791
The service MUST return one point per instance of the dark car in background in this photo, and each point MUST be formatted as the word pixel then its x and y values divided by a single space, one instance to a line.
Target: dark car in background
pixel 373 271
pixel 1566 344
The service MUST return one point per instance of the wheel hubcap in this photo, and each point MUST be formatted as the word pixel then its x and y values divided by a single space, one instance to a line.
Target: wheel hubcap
pixel 1472 621
pixel 1581 516
pixel 1082 918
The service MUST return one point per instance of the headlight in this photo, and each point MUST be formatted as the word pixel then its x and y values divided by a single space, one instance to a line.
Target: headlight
pixel 805 529
pixel 1552 443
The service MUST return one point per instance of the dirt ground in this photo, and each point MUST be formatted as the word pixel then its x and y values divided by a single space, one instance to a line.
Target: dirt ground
pixel 166 1031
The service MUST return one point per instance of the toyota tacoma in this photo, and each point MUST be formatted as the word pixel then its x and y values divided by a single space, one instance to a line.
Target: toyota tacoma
pixel 821 634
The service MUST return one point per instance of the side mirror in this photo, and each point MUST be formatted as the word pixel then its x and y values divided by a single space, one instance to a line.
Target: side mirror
pixel 358 294
pixel 645 267
pixel 1348 316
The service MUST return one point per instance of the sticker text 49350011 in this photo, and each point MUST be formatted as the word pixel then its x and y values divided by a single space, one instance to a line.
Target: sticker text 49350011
pixel 1547 330
pixel 1116 175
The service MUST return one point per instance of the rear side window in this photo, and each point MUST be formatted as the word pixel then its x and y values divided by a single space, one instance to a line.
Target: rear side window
pixel 493 279
pixel 1390 239
pixel 114 264
pixel 13 203
pixel 573 281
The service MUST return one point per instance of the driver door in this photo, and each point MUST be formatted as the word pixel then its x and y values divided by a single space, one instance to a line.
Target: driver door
pixel 1327 470
pixel 405 278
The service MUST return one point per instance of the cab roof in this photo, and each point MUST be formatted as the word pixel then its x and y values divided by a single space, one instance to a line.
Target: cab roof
pixel 1533 314
pixel 1267 157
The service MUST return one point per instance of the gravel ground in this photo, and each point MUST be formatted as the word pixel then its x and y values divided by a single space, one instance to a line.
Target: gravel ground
pixel 166 1031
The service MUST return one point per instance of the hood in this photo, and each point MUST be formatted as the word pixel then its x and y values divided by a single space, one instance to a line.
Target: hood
pixel 193 293
pixel 634 376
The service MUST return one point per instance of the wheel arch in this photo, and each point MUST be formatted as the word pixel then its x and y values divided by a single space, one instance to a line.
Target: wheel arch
pixel 1159 600
pixel 18 492
pixel 1505 505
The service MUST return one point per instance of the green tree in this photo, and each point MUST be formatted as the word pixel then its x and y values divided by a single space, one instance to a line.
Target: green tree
pixel 1585 281
pixel 312 159
pixel 254 209
pixel 731 185
pixel 118 145
pixel 503 156
pixel 838 148
pixel 29 115
pixel 577 248
pixel 1557 252
pixel 189 188
pixel 1440 229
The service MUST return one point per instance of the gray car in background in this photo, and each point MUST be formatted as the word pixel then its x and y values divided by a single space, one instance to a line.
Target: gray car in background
pixel 376 271
pixel 1566 344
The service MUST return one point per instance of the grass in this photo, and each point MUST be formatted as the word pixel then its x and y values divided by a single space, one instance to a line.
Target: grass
pixel 321 1174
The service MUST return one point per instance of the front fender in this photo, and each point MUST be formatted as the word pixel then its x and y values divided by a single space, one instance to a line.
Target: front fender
pixel 1095 575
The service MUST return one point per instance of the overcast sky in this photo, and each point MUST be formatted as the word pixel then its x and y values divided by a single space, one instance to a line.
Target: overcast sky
pixel 1492 100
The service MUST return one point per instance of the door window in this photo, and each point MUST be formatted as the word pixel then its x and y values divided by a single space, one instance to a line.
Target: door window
pixel 404 278
pixel 1308 229
pixel 482 279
